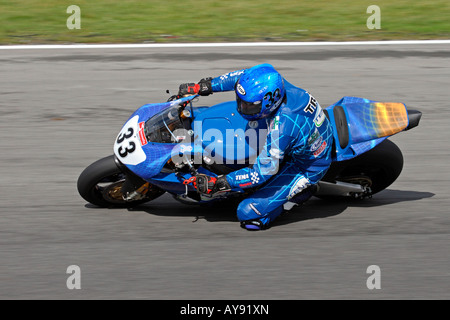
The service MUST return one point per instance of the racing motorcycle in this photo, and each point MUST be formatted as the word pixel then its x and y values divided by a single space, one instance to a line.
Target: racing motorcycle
pixel 163 145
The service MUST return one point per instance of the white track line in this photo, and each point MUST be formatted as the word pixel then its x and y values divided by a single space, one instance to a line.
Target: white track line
pixel 213 45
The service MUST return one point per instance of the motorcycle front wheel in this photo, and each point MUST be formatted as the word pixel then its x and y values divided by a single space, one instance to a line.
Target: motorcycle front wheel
pixel 101 184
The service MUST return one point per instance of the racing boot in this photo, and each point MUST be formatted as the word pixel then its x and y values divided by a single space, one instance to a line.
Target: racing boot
pixel 261 224
pixel 253 225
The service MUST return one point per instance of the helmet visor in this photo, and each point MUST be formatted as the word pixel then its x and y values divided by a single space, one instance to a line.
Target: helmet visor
pixel 249 108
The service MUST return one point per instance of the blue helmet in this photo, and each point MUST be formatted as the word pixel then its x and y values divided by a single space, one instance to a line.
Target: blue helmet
pixel 259 91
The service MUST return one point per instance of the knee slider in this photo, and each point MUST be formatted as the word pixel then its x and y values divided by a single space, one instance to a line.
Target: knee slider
pixel 247 210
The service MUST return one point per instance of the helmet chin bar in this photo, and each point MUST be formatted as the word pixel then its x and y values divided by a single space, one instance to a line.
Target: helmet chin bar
pixel 257 113
pixel 249 108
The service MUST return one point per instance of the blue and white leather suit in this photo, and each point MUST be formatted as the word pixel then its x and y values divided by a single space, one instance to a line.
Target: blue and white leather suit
pixel 297 154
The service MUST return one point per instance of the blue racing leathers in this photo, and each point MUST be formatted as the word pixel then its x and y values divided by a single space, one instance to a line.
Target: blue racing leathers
pixel 296 154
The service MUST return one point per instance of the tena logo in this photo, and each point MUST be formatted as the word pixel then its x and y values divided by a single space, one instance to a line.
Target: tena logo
pixel 240 89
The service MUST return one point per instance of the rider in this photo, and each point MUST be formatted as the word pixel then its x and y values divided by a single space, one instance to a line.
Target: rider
pixel 297 152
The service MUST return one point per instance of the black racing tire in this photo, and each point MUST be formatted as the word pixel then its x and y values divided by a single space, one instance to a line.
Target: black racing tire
pixel 380 166
pixel 100 184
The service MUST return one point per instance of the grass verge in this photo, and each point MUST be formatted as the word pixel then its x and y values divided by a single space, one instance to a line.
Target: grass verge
pixel 132 21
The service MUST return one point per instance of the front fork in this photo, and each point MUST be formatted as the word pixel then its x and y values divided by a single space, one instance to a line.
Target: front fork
pixel 134 187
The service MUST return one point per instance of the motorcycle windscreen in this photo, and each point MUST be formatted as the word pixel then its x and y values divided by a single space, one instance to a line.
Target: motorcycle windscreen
pixel 374 120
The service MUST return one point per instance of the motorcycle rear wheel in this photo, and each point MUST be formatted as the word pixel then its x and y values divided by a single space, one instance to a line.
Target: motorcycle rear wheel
pixel 378 168
pixel 100 184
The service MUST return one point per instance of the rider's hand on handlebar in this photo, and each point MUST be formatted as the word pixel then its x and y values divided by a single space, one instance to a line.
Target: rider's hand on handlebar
pixel 202 88
pixel 208 185
pixel 188 89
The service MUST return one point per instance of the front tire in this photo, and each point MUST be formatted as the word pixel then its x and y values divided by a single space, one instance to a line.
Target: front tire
pixel 100 184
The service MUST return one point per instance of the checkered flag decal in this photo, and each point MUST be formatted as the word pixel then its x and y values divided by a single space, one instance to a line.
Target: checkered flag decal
pixel 254 177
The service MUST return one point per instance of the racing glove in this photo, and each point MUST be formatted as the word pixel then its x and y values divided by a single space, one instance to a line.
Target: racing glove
pixel 208 185
pixel 202 88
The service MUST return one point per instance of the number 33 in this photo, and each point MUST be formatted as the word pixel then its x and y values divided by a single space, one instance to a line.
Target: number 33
pixel 123 152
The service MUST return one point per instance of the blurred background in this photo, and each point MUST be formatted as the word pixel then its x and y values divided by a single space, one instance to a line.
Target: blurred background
pixel 106 21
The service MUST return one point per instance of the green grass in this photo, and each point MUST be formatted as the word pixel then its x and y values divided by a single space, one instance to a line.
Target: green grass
pixel 126 21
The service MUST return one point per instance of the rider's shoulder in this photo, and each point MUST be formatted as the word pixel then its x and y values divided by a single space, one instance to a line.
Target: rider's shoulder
pixel 296 98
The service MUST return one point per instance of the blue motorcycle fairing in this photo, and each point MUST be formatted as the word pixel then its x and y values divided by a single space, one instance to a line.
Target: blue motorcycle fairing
pixel 366 128
pixel 130 143
pixel 225 136
pixel 215 136
pixel 212 143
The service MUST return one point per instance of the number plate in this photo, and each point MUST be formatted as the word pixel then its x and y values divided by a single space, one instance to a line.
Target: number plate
pixel 128 146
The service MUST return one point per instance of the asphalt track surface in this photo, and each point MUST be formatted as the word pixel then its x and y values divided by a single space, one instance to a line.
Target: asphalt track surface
pixel 62 109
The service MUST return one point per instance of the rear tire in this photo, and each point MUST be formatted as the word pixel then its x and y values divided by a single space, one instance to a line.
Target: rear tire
pixel 101 182
pixel 378 168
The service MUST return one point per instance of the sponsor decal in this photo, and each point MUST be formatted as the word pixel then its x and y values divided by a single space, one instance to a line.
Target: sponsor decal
pixel 316 145
pixel 315 140
pixel 313 137
pixel 207 160
pixel 142 136
pixel 312 105
pixel 231 74
pixel 320 117
pixel 253 124
pixel 254 177
pixel 320 149
pixel 241 177
pixel 236 73
pixel 240 89
pixel 243 185
pixel 274 125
